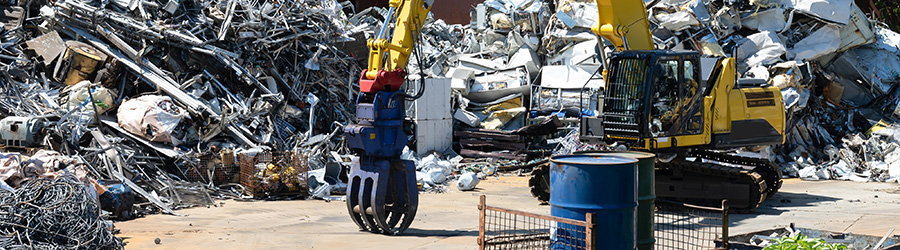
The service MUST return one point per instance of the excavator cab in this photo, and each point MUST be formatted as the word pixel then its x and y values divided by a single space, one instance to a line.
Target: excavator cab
pixel 646 94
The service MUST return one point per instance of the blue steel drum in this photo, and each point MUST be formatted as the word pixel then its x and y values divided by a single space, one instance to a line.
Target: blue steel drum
pixel 604 185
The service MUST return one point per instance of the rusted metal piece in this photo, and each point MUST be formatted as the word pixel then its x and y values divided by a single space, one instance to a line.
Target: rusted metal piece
pixel 481 209
pixel 81 60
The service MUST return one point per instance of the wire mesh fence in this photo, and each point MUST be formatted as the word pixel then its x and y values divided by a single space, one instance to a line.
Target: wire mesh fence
pixel 217 168
pixel 677 226
pixel 274 173
pixel 685 227
pixel 502 228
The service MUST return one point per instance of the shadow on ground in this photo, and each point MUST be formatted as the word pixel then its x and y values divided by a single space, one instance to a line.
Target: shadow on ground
pixel 782 202
pixel 414 232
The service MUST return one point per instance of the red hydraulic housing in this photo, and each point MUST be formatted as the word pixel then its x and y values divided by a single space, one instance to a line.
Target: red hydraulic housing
pixel 385 81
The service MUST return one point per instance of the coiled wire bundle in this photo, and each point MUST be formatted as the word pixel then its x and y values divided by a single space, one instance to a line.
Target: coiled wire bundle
pixel 53 214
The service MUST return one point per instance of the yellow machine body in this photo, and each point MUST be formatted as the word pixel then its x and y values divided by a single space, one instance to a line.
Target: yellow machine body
pixel 730 114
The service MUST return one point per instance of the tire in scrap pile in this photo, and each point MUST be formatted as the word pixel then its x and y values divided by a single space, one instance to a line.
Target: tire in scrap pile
pixel 539 183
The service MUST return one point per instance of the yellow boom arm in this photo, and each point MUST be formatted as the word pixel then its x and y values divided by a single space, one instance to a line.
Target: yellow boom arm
pixel 624 23
pixel 411 15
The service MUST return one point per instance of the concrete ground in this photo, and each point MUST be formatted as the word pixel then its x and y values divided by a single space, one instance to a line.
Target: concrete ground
pixel 450 220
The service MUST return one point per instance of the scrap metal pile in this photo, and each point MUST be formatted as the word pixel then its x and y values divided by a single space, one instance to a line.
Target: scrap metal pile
pixel 160 104
pixel 54 213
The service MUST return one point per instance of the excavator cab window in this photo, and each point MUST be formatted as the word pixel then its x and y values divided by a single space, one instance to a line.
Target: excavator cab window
pixel 694 93
pixel 675 92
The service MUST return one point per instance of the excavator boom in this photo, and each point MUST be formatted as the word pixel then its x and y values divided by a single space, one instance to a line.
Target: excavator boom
pixel 624 23
pixel 389 75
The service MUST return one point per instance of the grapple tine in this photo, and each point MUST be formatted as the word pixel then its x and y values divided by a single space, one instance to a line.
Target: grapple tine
pixel 365 200
pixel 378 197
pixel 398 184
pixel 353 200
pixel 412 193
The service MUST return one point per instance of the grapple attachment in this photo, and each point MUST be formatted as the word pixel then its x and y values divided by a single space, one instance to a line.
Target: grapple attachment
pixel 382 196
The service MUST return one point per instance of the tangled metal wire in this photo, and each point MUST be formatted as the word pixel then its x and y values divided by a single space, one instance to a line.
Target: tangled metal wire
pixel 53 214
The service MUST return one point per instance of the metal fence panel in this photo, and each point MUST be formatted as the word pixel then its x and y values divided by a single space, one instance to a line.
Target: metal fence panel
pixel 681 226
pixel 502 228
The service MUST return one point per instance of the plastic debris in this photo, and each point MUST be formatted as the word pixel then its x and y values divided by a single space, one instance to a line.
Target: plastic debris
pixel 467 181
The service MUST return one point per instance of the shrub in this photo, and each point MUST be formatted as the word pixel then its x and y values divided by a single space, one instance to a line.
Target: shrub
pixel 801 242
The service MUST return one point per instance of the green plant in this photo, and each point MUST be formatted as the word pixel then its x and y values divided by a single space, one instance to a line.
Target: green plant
pixel 801 242
pixel 889 11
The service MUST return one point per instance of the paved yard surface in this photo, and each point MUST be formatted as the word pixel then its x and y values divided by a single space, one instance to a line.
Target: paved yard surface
pixel 450 220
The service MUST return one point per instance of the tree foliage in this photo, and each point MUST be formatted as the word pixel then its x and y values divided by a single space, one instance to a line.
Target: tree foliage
pixel 890 13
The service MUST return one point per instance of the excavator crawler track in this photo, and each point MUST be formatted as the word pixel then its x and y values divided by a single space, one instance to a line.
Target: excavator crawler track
pixel 745 185
pixel 768 170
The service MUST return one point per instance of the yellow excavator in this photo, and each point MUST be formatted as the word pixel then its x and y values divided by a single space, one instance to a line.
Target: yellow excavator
pixel 657 101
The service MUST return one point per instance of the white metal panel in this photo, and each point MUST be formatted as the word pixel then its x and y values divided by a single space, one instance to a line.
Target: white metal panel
pixel 435 102
pixel 436 135
pixel 571 77
pixel 858 31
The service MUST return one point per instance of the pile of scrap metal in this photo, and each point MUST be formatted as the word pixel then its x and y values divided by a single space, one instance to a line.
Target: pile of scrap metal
pixel 57 210
pixel 495 79
pixel 159 103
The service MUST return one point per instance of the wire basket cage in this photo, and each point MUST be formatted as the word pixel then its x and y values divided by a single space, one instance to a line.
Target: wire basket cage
pixel 274 173
pixel 681 226
pixel 501 228
pixel 219 168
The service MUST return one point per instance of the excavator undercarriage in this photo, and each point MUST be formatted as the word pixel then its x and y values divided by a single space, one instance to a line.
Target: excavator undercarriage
pixel 706 178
